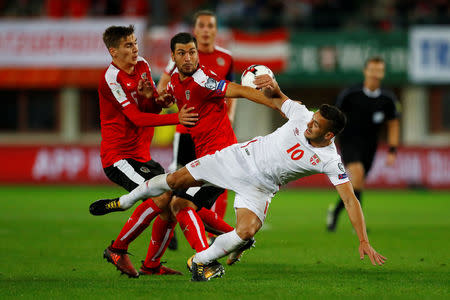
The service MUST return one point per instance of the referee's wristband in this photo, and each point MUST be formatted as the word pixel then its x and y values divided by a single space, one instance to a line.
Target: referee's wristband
pixel 392 149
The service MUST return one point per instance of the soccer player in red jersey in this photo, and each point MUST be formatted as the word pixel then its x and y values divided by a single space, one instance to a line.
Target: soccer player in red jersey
pixel 129 110
pixel 220 61
pixel 198 87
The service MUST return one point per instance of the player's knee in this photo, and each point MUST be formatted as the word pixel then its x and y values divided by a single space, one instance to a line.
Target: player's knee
pixel 177 204
pixel 246 232
pixel 163 201
pixel 173 180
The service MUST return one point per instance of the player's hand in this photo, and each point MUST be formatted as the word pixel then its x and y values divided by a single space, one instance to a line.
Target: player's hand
pixel 390 159
pixel 375 258
pixel 165 100
pixel 186 117
pixel 267 84
pixel 145 88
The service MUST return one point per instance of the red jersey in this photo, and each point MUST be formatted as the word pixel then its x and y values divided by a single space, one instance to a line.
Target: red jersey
pixel 220 60
pixel 126 118
pixel 205 91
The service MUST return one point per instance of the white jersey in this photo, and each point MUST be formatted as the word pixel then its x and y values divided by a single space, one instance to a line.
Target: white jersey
pixel 286 155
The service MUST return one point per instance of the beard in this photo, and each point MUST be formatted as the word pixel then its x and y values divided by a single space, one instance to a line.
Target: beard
pixel 185 73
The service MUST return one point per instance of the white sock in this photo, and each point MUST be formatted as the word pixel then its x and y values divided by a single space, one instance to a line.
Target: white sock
pixel 151 188
pixel 223 245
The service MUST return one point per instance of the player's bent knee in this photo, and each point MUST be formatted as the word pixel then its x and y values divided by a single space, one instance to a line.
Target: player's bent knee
pixel 177 204
pixel 246 232
pixel 163 200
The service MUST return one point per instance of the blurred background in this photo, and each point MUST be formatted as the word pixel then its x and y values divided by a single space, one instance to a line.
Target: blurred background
pixel 52 56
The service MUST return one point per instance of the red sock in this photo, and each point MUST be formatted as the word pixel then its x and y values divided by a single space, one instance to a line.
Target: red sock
pixel 213 220
pixel 220 207
pixel 162 233
pixel 193 228
pixel 139 220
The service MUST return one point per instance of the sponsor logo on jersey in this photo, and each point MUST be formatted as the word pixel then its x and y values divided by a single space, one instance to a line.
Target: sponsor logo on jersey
pixel 342 176
pixel 188 94
pixel 144 169
pixel 220 61
pixel 314 160
pixel 211 83
pixel 195 163
pixel 341 167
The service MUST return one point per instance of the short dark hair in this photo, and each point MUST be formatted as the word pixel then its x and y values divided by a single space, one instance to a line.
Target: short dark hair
pixel 182 38
pixel 113 35
pixel 204 12
pixel 374 59
pixel 335 116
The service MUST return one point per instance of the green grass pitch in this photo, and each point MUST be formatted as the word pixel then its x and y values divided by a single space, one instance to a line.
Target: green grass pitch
pixel 52 248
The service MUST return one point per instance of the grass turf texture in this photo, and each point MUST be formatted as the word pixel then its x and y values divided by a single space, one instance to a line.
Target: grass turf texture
pixel 52 248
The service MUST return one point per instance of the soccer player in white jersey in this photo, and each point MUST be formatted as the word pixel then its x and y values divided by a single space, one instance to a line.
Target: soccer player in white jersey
pixel 256 169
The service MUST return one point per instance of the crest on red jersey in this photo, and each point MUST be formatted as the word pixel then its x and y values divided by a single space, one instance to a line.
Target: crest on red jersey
pixel 144 76
pixel 314 160
pixel 220 61
pixel 188 94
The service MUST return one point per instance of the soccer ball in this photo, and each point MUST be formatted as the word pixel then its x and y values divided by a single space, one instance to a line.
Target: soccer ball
pixel 248 76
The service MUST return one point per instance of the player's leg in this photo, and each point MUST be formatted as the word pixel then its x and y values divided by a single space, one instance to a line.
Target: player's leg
pixel 129 173
pixel 219 208
pixel 247 225
pixel 162 232
pixel 181 141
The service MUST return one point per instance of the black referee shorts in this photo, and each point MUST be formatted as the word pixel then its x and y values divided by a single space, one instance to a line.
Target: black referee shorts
pixel 359 152
pixel 201 196
pixel 130 173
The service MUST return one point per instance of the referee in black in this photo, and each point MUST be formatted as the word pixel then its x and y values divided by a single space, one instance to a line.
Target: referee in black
pixel 367 107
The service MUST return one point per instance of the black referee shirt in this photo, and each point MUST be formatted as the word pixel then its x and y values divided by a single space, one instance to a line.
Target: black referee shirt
pixel 366 111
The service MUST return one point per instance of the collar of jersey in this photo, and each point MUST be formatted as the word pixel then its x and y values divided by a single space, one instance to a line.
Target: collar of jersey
pixel 372 94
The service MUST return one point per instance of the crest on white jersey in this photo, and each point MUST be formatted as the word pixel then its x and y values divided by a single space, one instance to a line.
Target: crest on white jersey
pixel 314 160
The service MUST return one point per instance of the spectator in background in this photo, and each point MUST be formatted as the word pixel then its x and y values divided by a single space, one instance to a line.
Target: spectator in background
pixel 367 107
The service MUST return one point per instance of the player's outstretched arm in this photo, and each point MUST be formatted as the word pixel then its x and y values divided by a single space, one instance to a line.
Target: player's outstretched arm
pixel 235 90
pixel 357 219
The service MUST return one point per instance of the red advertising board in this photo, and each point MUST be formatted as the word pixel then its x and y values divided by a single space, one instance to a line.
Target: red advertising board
pixel 415 166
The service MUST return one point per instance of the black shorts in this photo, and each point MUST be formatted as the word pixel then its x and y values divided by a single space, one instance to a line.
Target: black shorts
pixel 360 151
pixel 130 173
pixel 204 197
pixel 185 152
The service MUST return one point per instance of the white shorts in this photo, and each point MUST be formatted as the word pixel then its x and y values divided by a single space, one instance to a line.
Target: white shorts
pixel 229 169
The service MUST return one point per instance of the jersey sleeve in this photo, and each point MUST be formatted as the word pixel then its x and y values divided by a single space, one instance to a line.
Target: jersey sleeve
pixel 295 110
pixel 393 109
pixel 336 172
pixel 170 67
pixel 114 92
pixel 209 86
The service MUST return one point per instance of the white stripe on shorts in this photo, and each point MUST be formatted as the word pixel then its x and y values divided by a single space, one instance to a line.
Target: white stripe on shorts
pixel 128 170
